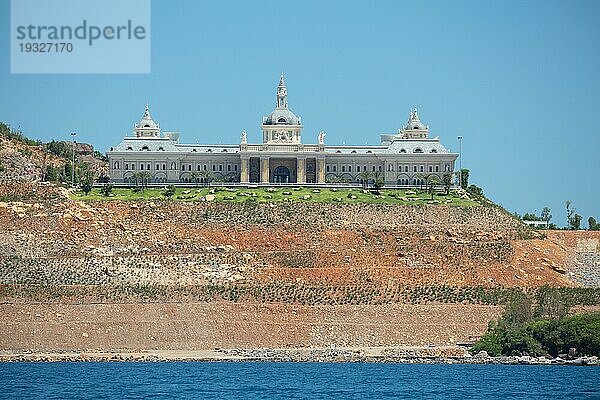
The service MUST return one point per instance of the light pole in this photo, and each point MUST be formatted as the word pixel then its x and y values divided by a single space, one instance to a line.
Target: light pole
pixel 460 161
pixel 73 134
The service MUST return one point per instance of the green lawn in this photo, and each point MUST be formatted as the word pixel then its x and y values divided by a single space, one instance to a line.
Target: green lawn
pixel 322 195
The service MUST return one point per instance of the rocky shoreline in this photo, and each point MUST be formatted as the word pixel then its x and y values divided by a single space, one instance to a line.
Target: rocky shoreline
pixel 386 355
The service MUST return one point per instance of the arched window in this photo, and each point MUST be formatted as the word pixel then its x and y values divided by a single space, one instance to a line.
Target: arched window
pixel 209 151
pixel 402 150
pixel 116 165
pixel 418 150
pixel 145 148
pixel 173 165
pixel 194 151
pixel 224 151
pixel 353 152
pixel 281 120
pixel 161 149
pixel 369 152
pixel 433 150
pixel 129 148
pixel 339 151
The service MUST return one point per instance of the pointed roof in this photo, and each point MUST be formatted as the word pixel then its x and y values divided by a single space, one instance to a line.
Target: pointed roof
pixel 414 122
pixel 147 127
pixel 146 114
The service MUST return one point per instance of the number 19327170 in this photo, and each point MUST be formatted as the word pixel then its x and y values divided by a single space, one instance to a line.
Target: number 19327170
pixel 44 47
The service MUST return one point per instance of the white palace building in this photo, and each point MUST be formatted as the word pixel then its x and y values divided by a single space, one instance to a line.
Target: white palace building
pixel 405 158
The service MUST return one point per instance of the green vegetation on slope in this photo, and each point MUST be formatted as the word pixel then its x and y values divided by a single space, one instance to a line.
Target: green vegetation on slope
pixel 291 293
pixel 540 325
pixel 323 195
pixel 544 336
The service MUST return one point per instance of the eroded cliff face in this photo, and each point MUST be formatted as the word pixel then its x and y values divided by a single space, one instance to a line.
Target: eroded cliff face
pixel 52 240
pixel 304 270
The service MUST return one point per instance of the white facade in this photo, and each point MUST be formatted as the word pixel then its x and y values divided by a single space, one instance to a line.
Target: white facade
pixel 406 158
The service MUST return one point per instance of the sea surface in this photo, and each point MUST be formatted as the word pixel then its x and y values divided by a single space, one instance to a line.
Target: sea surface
pixel 263 380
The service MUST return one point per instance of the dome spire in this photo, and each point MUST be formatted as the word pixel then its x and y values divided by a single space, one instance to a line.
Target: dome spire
pixel 414 115
pixel 281 93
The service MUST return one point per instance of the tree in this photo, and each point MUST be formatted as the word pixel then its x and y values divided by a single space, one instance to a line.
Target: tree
pixel 447 181
pixel 573 219
pixel 577 222
pixel 546 216
pixel 141 179
pixel 51 174
pixel 593 225
pixel 432 181
pixel 196 175
pixel 207 176
pixel 464 178
pixel 364 177
pixel 378 181
pixel 106 190
pixel 475 190
pixel 530 217
pixel 86 186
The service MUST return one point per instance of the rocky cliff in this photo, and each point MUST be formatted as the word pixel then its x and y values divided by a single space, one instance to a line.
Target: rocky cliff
pixel 177 275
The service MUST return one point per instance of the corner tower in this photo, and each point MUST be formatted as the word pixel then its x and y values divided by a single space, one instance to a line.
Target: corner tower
pixel 282 126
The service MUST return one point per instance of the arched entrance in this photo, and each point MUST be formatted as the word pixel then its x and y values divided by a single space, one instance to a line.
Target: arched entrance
pixel 281 174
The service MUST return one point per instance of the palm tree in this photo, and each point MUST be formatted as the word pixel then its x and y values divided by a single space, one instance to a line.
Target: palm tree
pixel 196 175
pixel 447 182
pixel 378 180
pixel 432 181
pixel 364 178
pixel 207 176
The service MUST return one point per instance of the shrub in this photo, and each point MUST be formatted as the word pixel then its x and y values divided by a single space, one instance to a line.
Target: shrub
pixel 106 190
pixel 86 186
pixel 169 191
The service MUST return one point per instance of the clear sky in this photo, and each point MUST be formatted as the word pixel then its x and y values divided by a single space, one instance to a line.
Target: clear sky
pixel 519 80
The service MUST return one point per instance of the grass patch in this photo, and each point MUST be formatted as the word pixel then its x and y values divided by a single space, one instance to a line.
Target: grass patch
pixel 266 195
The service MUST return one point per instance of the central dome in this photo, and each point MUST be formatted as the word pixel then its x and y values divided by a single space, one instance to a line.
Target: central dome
pixel 282 116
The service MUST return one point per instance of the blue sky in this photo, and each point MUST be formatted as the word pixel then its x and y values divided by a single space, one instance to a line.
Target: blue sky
pixel 518 80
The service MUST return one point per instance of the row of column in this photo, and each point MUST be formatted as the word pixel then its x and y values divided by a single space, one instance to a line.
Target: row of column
pixel 264 170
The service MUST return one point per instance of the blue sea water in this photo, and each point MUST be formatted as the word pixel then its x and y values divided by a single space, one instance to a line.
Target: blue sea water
pixel 215 380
